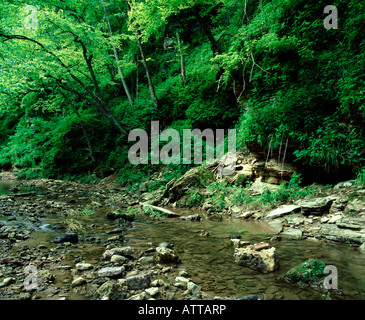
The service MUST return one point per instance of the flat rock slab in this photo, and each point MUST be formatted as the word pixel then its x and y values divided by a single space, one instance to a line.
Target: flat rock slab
pixel 317 207
pixel 110 272
pixel 276 225
pixel 345 235
pixel 283 211
pixel 351 226
pixel 292 233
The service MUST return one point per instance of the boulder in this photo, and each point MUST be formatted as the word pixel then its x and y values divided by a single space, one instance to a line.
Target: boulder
pixel 7 281
pixel 166 255
pixel 239 243
pixel 194 291
pixel 261 246
pixel 261 257
pixel 166 245
pixel 138 296
pixel 182 279
pixel 196 177
pixel 346 225
pixel 306 273
pixel 246 214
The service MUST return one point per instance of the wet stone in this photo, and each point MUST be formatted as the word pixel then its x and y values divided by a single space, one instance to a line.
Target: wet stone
pixel 111 272
pixel 67 237
pixel 139 281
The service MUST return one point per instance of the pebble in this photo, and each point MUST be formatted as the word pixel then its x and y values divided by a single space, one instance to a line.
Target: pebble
pixel 152 291
pixel 116 258
pixel 83 266
pixel 78 282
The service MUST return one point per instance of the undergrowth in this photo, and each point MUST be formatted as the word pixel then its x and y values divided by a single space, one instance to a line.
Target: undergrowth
pixel 222 195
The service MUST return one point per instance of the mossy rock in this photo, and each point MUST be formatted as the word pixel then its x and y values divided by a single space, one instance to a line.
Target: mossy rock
pixel 306 273
pixel 198 177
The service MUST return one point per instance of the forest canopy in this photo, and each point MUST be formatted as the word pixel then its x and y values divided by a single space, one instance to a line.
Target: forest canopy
pixel 77 76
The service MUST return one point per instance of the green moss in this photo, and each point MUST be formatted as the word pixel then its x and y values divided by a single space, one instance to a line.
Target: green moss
pixel 307 272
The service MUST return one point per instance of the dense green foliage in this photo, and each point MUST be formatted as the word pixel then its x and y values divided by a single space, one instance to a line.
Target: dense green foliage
pixel 222 195
pixel 268 68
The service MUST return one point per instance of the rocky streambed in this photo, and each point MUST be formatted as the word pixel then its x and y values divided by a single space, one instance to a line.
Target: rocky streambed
pixel 149 257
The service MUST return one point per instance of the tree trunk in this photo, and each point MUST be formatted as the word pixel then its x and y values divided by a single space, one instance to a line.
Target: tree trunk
pixel 126 89
pixel 137 77
pixel 182 60
pixel 100 102
pixel 149 79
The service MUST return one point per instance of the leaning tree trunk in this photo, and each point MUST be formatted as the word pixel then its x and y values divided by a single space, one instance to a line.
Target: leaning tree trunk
pixel 126 89
pixel 149 79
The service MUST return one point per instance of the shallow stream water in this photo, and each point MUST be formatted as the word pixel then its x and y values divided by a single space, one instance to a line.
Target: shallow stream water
pixel 209 260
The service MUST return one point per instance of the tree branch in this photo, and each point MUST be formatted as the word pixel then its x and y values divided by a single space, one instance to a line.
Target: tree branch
pixel 100 103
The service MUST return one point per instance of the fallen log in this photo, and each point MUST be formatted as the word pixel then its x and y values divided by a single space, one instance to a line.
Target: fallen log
pixel 169 213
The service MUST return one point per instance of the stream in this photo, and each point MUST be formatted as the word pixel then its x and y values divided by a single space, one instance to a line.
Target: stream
pixel 208 260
